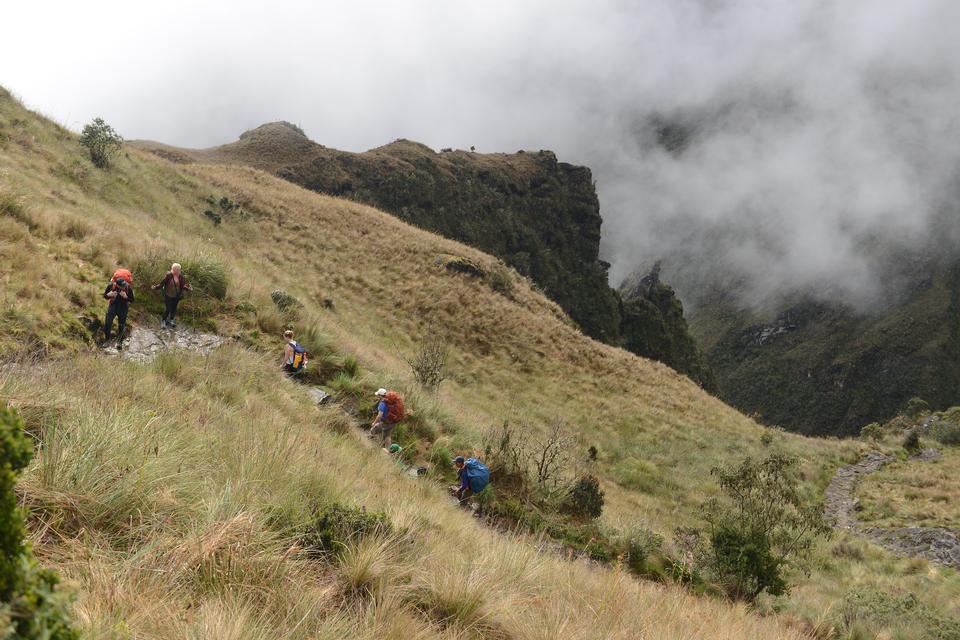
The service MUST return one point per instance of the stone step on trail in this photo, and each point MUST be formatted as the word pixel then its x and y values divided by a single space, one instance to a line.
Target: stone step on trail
pixel 142 344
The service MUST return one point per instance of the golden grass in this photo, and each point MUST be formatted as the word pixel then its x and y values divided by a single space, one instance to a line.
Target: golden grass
pixel 911 493
pixel 162 512
pixel 180 525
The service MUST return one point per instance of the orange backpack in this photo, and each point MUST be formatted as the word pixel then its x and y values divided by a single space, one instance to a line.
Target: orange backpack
pixel 395 412
pixel 122 273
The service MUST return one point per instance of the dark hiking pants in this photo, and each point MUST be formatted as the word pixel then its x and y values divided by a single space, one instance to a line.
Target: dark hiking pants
pixel 118 312
pixel 170 305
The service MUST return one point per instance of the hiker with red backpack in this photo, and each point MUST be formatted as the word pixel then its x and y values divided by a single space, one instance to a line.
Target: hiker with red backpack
pixel 173 284
pixel 390 411
pixel 294 356
pixel 119 292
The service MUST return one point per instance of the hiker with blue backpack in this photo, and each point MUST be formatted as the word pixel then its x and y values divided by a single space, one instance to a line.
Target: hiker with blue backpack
pixel 474 478
pixel 294 356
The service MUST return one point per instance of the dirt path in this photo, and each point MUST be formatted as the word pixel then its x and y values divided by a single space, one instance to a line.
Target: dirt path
pixel 938 544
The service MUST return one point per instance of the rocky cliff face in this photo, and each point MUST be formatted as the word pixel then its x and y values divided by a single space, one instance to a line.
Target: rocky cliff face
pixel 539 215
pixel 828 369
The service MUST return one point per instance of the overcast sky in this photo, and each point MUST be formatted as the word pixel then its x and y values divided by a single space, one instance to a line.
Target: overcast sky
pixel 813 125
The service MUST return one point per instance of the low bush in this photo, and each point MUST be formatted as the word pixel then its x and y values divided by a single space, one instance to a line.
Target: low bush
pixel 946 433
pixel 639 546
pixel 911 441
pixel 336 526
pixel 585 499
pixel 501 281
pixel 205 272
pixel 429 362
pixel 916 407
pixel 31 606
pixel 872 431
pixel 286 302
pixel 868 606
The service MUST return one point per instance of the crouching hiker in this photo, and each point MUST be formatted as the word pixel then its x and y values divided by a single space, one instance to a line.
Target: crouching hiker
pixel 173 284
pixel 474 478
pixel 390 411
pixel 119 293
pixel 294 356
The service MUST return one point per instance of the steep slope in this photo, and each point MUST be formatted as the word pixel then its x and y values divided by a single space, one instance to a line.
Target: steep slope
pixel 169 494
pixel 540 216
pixel 827 368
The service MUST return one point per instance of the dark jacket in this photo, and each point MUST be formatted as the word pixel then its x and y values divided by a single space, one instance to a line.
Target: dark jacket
pixel 118 301
pixel 169 285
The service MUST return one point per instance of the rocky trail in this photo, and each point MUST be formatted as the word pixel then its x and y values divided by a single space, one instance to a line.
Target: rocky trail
pixel 142 344
pixel 938 544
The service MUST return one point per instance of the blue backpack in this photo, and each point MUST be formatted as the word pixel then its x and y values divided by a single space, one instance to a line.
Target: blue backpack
pixel 478 476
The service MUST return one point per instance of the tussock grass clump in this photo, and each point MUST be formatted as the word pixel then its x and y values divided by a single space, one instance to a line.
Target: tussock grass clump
pixel 205 271
pixel 337 525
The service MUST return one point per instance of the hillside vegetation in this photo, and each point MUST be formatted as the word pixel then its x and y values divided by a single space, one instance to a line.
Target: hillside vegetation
pixel 540 216
pixel 826 368
pixel 173 496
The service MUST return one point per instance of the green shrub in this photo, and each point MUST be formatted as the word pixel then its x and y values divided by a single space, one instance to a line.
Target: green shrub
pixel 345 384
pixel 440 457
pixel 338 525
pixel 869 606
pixel 460 264
pixel 763 526
pixel 585 499
pixel 206 273
pixel 285 301
pixel 639 545
pixel 30 605
pixel 946 433
pixel 872 431
pixel 350 366
pixel 911 441
pixel 501 281
pixel 101 141
pixel 916 407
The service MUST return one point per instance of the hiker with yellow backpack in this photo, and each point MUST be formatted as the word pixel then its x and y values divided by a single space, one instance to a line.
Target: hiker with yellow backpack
pixel 294 356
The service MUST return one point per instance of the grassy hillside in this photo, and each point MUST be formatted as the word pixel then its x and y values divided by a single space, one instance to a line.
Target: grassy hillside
pixel 540 216
pixel 170 495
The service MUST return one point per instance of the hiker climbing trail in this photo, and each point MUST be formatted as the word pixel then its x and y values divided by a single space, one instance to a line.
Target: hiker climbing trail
pixel 938 544
pixel 142 344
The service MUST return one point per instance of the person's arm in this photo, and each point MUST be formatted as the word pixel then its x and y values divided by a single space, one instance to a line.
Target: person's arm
pixel 129 296
pixel 381 415
pixel 162 283
pixel 287 352
pixel 108 293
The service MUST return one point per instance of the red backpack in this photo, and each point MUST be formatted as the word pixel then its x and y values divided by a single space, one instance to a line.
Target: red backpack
pixel 395 412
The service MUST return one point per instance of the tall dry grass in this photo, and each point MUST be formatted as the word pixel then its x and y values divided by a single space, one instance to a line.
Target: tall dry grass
pixel 174 511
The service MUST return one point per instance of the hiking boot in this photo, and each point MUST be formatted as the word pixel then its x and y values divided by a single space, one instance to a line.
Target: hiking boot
pixel 171 324
pixel 163 323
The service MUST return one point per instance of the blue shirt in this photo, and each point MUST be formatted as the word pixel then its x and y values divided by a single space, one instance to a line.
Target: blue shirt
pixel 383 409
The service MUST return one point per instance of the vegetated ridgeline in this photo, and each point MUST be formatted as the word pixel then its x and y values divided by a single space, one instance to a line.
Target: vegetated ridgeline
pixel 168 494
pixel 538 215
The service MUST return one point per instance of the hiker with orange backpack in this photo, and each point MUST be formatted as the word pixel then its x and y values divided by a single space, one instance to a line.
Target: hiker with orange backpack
pixel 294 356
pixel 120 294
pixel 390 412
pixel 173 284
